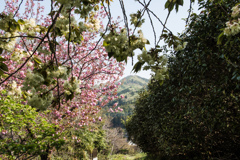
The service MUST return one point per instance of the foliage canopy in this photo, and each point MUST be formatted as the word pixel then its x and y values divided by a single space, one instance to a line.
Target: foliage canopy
pixel 195 113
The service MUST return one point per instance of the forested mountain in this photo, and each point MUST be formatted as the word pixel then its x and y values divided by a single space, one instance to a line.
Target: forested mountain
pixel 129 88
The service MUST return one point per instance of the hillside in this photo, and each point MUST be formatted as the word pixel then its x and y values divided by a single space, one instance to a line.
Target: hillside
pixel 129 88
pixel 136 81
pixel 132 84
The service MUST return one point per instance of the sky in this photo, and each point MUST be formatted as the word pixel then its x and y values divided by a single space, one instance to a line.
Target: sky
pixel 175 23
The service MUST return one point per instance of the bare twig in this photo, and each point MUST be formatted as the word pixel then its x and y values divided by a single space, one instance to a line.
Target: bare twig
pixel 164 26
pixel 189 12
pixel 154 32
pixel 18 9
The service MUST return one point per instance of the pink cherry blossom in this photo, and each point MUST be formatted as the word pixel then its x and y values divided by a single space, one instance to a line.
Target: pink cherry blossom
pixel 98 73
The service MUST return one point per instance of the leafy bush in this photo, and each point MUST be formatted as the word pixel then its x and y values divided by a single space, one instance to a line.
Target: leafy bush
pixel 23 132
pixel 82 148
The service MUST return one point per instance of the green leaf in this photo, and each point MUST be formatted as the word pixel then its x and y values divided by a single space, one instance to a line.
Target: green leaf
pixel 1 72
pixel 220 38
pixel 52 13
pixel 18 27
pixel 58 31
pixel 138 66
pixel 167 4
pixel 86 3
pixel 105 44
pixel 147 42
pixel 238 78
pixel 176 8
pixel 37 60
pixel 20 21
pixel 2 59
pixel 146 67
pixel 180 2
pixel 69 97
pixel 110 54
pixel 4 67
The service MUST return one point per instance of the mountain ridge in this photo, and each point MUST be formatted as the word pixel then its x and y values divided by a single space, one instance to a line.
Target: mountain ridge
pixel 132 84
pixel 129 89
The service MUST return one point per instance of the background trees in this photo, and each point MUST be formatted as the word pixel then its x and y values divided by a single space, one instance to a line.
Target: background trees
pixel 195 113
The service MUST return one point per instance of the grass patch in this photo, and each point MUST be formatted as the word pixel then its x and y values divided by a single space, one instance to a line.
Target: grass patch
pixel 138 156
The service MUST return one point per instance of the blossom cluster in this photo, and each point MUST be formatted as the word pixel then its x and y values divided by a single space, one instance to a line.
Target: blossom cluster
pixel 136 19
pixel 236 11
pixel 18 28
pixel 157 65
pixel 233 26
pixel 73 86
pixel 93 23
pixel 121 46
pixel 14 90
pixel 181 46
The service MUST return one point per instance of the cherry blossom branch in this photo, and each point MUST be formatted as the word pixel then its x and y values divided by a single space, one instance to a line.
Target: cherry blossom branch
pixel 49 29
pixel 96 73
pixel 18 9
pixel 21 37
pixel 69 39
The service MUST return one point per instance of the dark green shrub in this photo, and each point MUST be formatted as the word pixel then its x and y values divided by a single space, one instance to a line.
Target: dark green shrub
pixel 195 114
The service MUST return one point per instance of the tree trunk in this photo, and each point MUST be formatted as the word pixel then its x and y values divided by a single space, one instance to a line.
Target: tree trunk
pixel 44 157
